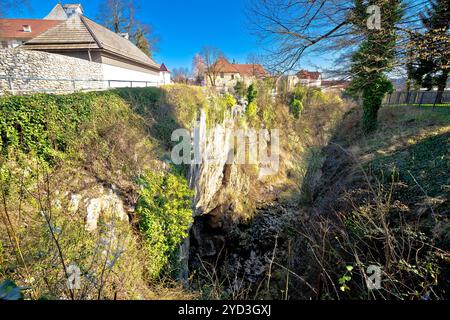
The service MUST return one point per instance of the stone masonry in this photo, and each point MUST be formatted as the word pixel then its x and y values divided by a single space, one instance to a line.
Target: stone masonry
pixel 25 71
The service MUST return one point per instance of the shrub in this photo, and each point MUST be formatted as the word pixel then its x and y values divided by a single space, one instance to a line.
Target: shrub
pixel 252 110
pixel 43 124
pixel 296 108
pixel 299 93
pixel 165 214
pixel 240 89
pixel 229 100
pixel 251 93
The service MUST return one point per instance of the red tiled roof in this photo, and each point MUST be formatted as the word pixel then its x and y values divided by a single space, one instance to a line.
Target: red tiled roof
pixel 243 69
pixel 305 74
pixel 251 69
pixel 13 28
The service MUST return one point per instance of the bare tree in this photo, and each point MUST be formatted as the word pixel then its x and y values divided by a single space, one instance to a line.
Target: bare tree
pixel 255 60
pixel 211 57
pixel 289 30
pixel 120 17
pixel 198 69
pixel 181 75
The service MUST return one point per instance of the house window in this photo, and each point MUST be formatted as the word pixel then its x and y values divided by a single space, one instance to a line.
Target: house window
pixel 232 77
pixel 26 28
pixel 222 75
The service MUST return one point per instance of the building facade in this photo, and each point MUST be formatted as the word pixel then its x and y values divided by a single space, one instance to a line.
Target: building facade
pixel 224 75
pixel 66 31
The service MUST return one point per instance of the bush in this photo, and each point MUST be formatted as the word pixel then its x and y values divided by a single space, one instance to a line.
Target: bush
pixel 296 108
pixel 252 110
pixel 43 124
pixel 165 214
pixel 251 93
pixel 240 89
pixel 229 100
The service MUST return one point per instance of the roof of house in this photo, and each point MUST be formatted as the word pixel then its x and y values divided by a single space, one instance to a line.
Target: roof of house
pixel 79 32
pixel 243 69
pixel 163 68
pixel 13 28
pixel 250 69
pixel 59 11
pixel 305 74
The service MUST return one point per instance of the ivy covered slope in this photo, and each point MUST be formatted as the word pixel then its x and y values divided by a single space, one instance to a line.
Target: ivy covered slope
pixel 76 176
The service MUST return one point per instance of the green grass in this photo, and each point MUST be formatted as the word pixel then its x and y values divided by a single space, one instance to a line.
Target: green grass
pixel 423 167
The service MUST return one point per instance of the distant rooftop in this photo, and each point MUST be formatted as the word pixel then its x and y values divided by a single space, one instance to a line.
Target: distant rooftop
pixel 14 28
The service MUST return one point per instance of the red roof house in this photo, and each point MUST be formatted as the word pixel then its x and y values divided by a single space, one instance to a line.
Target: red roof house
pixel 14 32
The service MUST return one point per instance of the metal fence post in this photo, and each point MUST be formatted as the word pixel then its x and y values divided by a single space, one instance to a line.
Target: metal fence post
pixel 435 99
pixel 11 84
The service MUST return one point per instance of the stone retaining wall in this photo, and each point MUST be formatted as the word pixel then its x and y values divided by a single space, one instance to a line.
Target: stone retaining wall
pixel 25 71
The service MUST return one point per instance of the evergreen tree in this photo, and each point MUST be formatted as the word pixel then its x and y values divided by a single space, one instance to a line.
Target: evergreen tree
pixel 429 65
pixel 374 57
pixel 142 42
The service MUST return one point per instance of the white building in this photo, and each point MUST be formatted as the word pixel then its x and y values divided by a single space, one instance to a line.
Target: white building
pixel 77 36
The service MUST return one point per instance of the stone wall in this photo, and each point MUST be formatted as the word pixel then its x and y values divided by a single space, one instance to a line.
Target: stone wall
pixel 24 71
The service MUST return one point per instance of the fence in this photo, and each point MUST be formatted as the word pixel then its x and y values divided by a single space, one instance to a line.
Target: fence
pixel 28 85
pixel 418 98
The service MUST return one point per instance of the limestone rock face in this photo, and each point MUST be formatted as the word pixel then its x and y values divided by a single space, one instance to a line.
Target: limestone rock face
pixel 108 204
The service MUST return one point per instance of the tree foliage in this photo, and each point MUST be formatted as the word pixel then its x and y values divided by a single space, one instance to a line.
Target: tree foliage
pixel 429 51
pixel 374 57
pixel 252 93
pixel 165 214
pixel 120 17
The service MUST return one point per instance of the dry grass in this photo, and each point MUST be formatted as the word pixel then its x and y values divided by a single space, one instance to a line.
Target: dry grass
pixel 358 216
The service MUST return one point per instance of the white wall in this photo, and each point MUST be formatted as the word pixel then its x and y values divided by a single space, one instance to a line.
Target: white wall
pixel 165 77
pixel 118 73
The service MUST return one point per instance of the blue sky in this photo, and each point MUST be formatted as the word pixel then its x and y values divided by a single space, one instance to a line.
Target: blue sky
pixel 183 26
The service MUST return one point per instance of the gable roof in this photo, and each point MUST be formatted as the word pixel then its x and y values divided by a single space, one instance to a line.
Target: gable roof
pixel 305 74
pixel 71 32
pixel 243 69
pixel 13 28
pixel 79 32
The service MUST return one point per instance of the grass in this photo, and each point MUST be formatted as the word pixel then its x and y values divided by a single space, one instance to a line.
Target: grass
pixel 382 199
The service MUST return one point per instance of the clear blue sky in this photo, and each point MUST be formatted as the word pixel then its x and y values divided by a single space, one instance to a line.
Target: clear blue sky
pixel 183 26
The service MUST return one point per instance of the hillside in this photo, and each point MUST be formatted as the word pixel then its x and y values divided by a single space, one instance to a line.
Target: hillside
pixel 381 200
pixel 89 190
